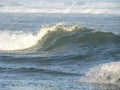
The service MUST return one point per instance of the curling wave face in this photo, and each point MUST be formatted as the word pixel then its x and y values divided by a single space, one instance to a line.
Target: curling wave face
pixel 20 40
pixel 50 37
pixel 108 73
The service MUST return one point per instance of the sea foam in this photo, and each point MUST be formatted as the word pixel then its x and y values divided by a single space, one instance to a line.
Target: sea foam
pixel 108 73
pixel 16 40
pixel 74 7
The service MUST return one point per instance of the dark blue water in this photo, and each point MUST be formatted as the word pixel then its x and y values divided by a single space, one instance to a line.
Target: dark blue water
pixel 57 52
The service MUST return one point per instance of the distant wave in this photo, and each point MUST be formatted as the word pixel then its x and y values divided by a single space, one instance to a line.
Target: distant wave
pixel 108 73
pixel 50 37
pixel 92 8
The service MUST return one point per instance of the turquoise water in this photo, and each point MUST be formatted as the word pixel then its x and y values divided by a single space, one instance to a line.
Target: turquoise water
pixel 59 52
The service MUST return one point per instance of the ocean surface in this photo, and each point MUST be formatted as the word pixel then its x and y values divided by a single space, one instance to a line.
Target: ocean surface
pixel 59 51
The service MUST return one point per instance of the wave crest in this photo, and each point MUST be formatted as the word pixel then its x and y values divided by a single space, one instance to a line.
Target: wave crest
pixel 52 36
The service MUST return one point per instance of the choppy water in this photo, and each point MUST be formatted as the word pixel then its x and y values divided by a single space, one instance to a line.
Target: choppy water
pixel 59 52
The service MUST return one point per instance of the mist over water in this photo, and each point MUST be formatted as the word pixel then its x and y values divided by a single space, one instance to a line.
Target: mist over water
pixel 61 7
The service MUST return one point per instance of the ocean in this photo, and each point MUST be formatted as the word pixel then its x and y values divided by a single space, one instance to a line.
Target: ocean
pixel 59 51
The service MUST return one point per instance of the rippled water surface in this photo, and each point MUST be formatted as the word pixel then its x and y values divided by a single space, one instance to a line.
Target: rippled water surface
pixel 59 52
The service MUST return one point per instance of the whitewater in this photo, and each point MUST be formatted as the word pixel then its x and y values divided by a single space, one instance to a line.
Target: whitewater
pixel 61 7
pixel 21 40
pixel 67 51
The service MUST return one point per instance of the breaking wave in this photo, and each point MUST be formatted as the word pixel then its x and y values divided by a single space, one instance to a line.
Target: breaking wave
pixel 50 37
pixel 61 7
pixel 108 73
pixel 16 40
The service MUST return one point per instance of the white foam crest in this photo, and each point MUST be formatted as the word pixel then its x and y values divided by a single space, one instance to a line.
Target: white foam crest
pixel 101 8
pixel 59 26
pixel 11 40
pixel 108 73
pixel 16 40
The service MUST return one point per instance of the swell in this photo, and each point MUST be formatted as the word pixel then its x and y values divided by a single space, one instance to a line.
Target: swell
pixel 81 36
pixel 51 37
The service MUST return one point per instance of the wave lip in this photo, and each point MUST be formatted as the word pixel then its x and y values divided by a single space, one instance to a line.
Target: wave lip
pixel 108 73
pixel 11 40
